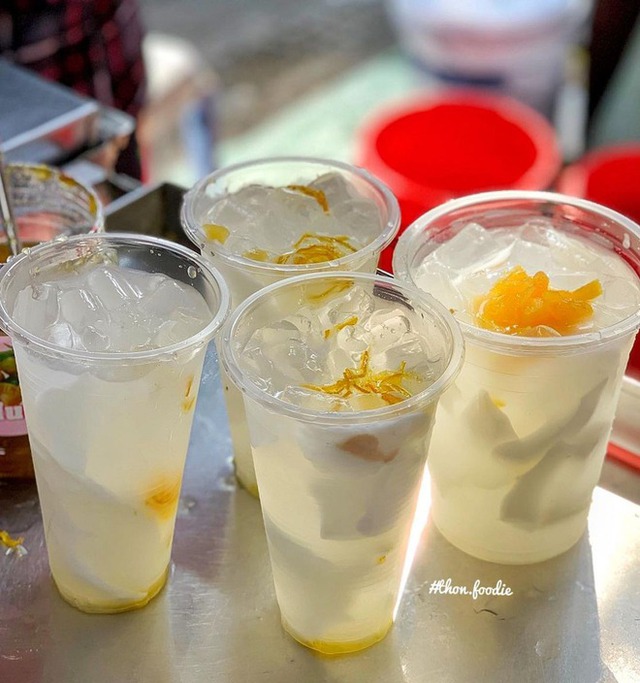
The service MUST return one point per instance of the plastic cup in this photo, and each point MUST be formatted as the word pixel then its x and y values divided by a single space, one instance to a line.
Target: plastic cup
pixel 523 498
pixel 431 149
pixel 339 489
pixel 610 176
pixel 109 431
pixel 246 276
pixel 46 204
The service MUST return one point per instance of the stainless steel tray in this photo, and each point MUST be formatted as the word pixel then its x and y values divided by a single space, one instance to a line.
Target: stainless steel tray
pixel 41 121
pixel 150 210
pixel 575 618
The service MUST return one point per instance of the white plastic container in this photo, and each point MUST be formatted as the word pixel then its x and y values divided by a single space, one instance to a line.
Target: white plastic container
pixel 517 47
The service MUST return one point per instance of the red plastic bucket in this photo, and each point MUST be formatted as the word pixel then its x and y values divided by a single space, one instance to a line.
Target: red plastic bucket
pixel 610 176
pixel 452 143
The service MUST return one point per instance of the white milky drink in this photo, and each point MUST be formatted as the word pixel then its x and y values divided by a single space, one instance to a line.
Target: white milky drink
pixel 110 351
pixel 340 375
pixel 266 220
pixel 520 438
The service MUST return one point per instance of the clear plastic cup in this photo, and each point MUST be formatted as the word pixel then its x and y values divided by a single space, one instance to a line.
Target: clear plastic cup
pixel 339 490
pixel 246 276
pixel 46 204
pixel 520 439
pixel 109 430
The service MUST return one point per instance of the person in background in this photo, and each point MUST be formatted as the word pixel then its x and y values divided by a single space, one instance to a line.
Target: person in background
pixel 92 46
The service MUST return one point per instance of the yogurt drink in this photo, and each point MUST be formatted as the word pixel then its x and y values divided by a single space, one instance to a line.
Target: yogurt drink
pixel 547 292
pixel 341 374
pixel 110 351
pixel 267 220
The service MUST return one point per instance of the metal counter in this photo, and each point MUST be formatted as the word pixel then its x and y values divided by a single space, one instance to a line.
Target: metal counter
pixel 572 619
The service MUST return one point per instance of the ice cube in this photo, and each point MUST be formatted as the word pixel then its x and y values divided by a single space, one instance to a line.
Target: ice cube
pixel 356 301
pixel 125 332
pixel 287 215
pixel 357 218
pixel 36 308
pixel 335 187
pixel 472 248
pixel 112 287
pixel 79 308
pixel 278 353
pixel 386 327
pixel 64 335
pixel 231 211
pixel 92 339
pixel 171 297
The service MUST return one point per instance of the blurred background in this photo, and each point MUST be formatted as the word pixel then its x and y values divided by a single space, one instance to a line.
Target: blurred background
pixel 263 61
pixel 296 76
pixel 208 83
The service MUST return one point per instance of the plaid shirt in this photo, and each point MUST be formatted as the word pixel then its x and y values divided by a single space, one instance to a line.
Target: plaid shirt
pixel 92 46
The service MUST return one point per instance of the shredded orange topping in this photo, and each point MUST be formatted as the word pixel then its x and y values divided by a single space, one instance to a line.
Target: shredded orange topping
pixel 525 305
pixel 314 248
pixel 310 248
pixel 163 497
pixel 215 232
pixel 387 383
pixel 318 195
pixel 353 320
pixel 333 289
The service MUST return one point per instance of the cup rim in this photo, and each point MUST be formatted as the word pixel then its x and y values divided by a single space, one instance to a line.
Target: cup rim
pixel 229 357
pixel 16 331
pixel 193 229
pixel 96 203
pixel 412 238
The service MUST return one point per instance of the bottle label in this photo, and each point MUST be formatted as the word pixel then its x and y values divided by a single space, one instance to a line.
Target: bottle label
pixel 12 422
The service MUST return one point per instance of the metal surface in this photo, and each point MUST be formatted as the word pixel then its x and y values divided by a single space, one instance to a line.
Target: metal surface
pixel 41 121
pixel 151 210
pixel 575 618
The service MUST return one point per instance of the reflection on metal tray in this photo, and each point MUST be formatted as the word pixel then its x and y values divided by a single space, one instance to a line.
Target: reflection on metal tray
pixel 151 210
pixel 573 618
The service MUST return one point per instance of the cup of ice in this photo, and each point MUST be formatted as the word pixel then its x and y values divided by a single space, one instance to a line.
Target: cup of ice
pixel 262 221
pixel 546 288
pixel 109 333
pixel 341 374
